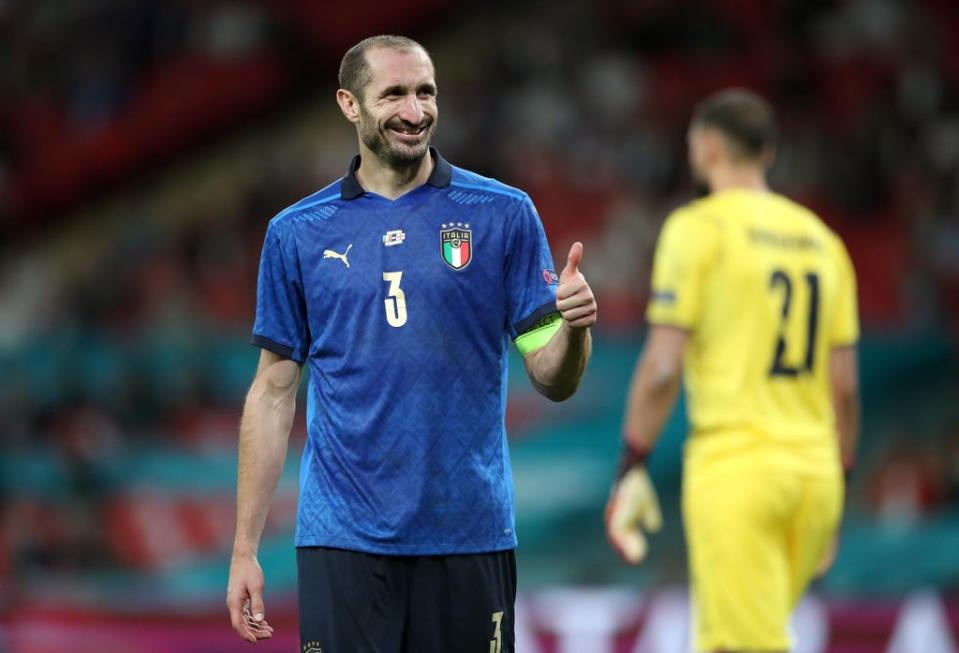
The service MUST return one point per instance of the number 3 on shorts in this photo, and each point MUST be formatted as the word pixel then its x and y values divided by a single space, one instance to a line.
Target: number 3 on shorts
pixel 395 302
pixel 496 644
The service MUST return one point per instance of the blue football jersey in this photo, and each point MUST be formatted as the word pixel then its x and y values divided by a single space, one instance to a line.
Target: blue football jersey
pixel 404 309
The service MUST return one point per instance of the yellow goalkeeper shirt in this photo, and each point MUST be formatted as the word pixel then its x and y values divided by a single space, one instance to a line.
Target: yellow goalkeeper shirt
pixel 765 291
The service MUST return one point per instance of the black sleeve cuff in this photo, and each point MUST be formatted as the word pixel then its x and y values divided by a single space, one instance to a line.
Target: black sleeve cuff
pixel 278 349
pixel 527 323
pixel 631 457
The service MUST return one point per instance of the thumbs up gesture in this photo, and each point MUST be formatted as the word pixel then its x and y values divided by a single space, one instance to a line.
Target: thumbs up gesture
pixel 574 298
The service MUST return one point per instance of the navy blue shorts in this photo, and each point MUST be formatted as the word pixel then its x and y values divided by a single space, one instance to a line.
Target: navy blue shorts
pixel 353 602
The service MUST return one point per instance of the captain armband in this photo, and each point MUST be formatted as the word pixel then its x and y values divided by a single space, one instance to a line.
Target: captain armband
pixel 539 334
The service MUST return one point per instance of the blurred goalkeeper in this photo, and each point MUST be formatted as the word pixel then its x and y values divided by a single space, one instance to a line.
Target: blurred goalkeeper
pixel 754 302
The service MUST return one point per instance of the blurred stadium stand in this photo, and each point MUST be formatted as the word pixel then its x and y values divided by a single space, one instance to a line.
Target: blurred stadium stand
pixel 145 144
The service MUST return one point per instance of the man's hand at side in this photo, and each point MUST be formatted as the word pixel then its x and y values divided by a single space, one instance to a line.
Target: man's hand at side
pixel 244 599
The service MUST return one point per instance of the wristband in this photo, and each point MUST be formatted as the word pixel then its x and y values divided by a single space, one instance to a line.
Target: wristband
pixel 632 456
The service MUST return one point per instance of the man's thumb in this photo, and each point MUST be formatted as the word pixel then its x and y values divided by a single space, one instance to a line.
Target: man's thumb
pixel 256 606
pixel 575 256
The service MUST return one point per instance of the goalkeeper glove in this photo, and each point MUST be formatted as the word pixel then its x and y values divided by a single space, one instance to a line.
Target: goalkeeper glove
pixel 632 508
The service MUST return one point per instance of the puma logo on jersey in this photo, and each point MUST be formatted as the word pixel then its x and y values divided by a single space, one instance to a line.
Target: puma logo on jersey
pixel 329 253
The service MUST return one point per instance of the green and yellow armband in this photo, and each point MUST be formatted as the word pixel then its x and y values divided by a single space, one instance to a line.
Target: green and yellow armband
pixel 539 334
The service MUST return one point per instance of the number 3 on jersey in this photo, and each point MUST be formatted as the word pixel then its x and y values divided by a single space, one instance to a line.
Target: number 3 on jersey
pixel 395 302
pixel 779 366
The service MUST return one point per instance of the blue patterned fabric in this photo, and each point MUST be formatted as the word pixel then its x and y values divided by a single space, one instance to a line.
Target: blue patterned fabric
pixel 407 451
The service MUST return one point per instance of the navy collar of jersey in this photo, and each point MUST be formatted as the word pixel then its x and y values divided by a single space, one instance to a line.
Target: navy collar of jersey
pixel 441 176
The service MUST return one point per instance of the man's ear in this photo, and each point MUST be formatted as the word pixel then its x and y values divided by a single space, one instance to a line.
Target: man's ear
pixel 349 105
pixel 714 146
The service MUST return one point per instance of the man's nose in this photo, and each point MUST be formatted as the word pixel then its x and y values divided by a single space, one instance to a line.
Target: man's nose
pixel 412 110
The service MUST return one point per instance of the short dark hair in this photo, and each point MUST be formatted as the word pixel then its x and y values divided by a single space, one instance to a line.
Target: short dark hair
pixel 355 69
pixel 745 119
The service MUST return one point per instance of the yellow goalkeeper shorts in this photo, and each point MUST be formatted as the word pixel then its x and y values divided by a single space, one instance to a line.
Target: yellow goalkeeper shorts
pixel 759 518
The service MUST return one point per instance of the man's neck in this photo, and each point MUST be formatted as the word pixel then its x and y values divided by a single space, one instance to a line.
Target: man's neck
pixel 377 176
pixel 745 177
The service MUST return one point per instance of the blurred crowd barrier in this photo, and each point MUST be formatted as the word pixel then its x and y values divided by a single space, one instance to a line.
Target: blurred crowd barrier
pixel 124 519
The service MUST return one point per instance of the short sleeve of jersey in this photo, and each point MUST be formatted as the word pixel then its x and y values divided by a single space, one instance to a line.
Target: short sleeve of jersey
pixel 530 278
pixel 281 322
pixel 684 250
pixel 845 327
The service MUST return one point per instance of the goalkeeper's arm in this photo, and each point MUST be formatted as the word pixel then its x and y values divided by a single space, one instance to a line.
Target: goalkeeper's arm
pixel 633 504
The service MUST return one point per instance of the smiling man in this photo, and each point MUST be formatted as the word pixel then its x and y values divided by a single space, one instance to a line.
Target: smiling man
pixel 400 285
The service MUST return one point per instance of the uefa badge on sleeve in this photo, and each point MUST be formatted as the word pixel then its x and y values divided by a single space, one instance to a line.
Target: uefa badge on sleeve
pixel 456 244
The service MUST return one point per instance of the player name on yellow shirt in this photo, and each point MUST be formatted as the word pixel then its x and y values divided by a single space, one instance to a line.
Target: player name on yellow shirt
pixel 786 241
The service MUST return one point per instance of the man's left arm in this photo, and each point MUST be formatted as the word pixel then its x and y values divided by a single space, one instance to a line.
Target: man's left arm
pixel 556 368
pixel 685 248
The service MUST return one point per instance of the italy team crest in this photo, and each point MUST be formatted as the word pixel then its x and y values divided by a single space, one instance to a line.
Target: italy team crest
pixel 456 244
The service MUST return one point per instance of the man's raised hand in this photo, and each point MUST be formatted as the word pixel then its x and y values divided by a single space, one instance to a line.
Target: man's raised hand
pixel 574 298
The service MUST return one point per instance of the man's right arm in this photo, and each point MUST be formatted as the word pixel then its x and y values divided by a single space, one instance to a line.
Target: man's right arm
pixel 844 375
pixel 264 434
pixel 843 361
